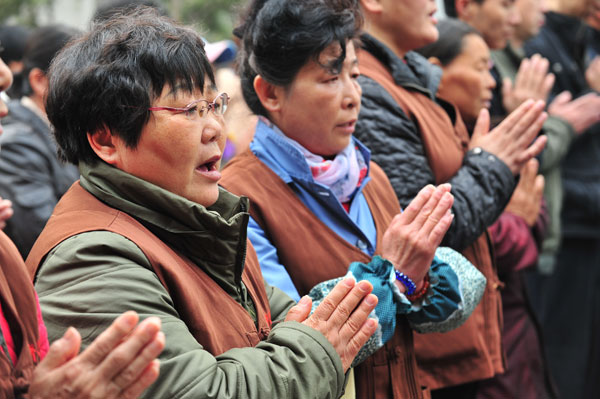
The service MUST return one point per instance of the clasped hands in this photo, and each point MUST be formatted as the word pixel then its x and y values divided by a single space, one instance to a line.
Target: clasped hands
pixel 409 243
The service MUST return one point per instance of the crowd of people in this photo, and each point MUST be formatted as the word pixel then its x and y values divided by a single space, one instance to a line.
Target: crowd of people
pixel 365 202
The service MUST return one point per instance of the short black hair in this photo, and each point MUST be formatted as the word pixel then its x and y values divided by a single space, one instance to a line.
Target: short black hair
pixel 41 48
pixel 280 36
pixel 450 42
pixel 108 78
pixel 12 42
pixel 450 7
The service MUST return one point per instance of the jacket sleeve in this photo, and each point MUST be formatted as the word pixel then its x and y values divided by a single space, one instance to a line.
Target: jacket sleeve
pixel 279 302
pixel 91 278
pixel 274 273
pixel 560 134
pixel 514 243
pixel 481 187
pixel 25 179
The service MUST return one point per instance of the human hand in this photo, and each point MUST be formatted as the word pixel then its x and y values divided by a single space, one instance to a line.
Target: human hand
pixel 592 74
pixel 526 200
pixel 512 141
pixel 342 317
pixel 6 212
pixel 120 363
pixel 580 113
pixel 532 82
pixel 412 237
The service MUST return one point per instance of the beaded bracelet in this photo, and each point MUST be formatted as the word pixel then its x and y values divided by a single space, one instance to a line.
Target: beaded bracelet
pixel 422 292
pixel 407 282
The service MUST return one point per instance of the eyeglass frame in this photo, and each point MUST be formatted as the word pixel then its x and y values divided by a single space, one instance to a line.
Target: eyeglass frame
pixel 210 105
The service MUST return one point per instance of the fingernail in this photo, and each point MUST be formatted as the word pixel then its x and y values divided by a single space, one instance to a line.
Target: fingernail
pixel 349 282
pixel 304 301
pixel 70 334
pixel 371 323
pixel 371 300
pixel 364 286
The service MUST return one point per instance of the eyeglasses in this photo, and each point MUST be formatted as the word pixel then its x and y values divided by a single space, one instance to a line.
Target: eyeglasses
pixel 200 107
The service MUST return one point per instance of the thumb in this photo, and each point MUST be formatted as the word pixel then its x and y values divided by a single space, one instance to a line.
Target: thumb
pixel 62 350
pixel 482 125
pixel 562 98
pixel 300 311
pixel 530 170
pixel 539 185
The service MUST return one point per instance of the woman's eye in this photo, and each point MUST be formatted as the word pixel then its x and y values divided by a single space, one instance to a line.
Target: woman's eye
pixel 332 79
pixel 190 112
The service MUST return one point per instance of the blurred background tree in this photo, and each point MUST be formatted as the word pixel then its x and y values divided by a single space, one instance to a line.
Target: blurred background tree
pixel 214 18
pixel 23 11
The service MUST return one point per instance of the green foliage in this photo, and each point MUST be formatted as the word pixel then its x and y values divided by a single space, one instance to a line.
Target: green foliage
pixel 215 19
pixel 21 10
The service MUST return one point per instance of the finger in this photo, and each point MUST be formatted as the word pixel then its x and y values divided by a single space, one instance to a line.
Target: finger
pixel 443 206
pixel 412 210
pixel 529 126
pixel 533 150
pixel 533 127
pixel 482 125
pixel 539 185
pixel 300 311
pixel 141 361
pixel 440 230
pixel 522 74
pixel 342 313
pixel 127 352
pixel 428 209
pixel 539 74
pixel 110 338
pixel 359 340
pixel 358 318
pixel 507 87
pixel 62 350
pixel 148 376
pixel 532 81
pixel 6 214
pixel 529 172
pixel 514 117
pixel 333 299
pixel 547 86
pixel 563 98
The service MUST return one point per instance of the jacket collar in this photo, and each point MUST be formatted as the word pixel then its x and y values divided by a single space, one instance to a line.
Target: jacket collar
pixel 414 71
pixel 214 237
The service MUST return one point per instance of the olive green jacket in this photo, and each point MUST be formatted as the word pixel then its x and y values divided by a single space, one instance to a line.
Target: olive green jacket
pixel 560 134
pixel 113 275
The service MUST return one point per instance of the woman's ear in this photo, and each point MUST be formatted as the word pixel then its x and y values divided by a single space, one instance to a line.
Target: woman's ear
pixel 38 81
pixel 372 6
pixel 270 95
pixel 464 9
pixel 105 145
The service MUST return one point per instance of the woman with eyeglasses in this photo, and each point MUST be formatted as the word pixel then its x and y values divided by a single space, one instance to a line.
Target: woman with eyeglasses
pixel 134 104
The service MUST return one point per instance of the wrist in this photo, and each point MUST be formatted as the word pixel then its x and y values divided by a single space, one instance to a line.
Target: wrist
pixel 406 284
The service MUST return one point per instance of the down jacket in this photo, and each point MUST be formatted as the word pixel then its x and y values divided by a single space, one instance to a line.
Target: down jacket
pixel 482 186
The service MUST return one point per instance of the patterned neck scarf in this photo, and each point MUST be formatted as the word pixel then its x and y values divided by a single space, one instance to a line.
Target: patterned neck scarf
pixel 343 174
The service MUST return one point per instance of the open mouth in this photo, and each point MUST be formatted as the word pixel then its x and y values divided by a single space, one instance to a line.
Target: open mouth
pixel 208 166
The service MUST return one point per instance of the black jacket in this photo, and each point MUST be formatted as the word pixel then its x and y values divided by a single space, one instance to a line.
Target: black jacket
pixel 564 41
pixel 481 187
pixel 31 176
